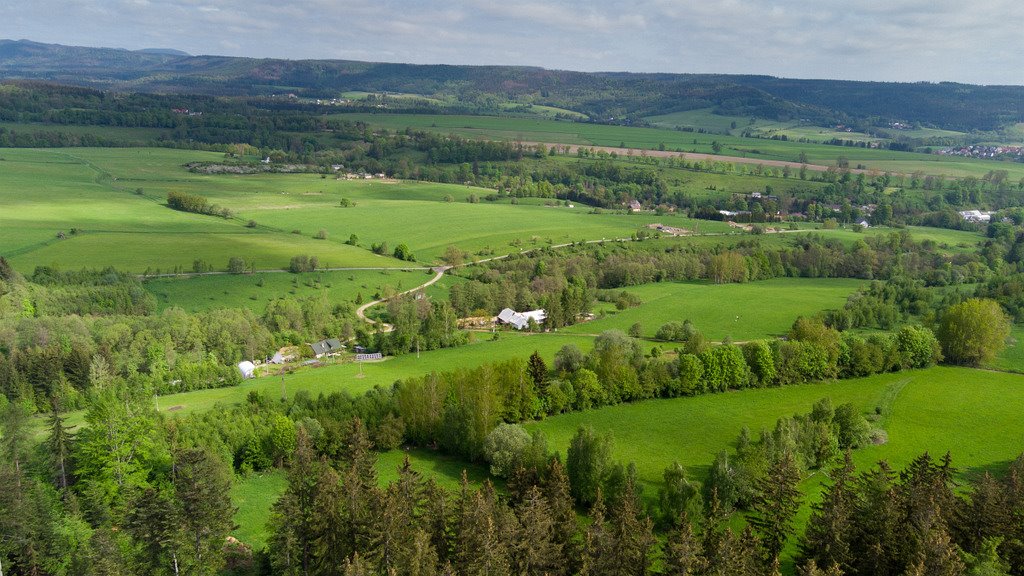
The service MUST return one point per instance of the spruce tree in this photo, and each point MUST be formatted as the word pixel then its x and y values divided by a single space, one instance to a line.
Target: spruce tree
pixel 563 513
pixel 202 486
pixel 683 553
pixel 827 539
pixel 534 549
pixel 776 503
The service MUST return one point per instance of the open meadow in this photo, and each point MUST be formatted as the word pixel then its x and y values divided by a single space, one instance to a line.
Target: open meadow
pixel 563 132
pixel 741 312
pixel 113 200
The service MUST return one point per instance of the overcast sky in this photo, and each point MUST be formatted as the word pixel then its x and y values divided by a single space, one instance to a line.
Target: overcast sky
pixel 975 41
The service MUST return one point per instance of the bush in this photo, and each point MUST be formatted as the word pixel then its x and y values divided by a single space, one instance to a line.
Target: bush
pixel 236 265
pixel 321 234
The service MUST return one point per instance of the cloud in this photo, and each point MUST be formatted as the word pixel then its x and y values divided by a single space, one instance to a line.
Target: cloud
pixel 906 40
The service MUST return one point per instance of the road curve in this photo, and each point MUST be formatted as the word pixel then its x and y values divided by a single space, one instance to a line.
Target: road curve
pixel 361 311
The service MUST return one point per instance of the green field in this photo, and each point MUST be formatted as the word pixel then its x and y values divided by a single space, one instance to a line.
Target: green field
pixel 45 192
pixel 921 411
pixel 93 191
pixel 254 291
pixel 562 132
pixel 1012 358
pixel 934 410
pixel 738 311
pixel 253 496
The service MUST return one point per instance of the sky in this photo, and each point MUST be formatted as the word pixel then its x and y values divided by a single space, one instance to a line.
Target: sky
pixel 972 41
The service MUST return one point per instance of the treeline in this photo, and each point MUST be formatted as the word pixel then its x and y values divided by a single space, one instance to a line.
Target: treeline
pixel 457 410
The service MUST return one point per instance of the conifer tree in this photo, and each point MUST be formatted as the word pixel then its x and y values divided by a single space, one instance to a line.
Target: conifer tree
pixel 827 539
pixel 632 534
pixel 563 514
pixel 59 447
pixel 534 549
pixel 776 503
pixel 876 524
pixel 202 486
pixel 293 517
pixel 683 553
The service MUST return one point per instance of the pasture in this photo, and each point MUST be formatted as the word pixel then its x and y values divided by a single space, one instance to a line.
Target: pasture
pixel 114 199
pixel 254 291
pixel 738 311
pixel 561 132
pixel 96 193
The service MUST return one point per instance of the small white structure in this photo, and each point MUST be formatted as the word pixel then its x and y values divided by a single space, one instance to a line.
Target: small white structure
pixel 278 358
pixel 521 320
pixel 864 224
pixel 248 369
pixel 976 215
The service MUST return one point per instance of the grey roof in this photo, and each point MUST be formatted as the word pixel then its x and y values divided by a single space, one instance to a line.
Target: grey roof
pixel 327 346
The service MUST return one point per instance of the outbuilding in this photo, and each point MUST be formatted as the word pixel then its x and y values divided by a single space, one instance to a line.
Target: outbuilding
pixel 248 369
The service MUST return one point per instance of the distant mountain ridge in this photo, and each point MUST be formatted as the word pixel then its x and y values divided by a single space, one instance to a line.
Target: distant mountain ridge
pixel 609 97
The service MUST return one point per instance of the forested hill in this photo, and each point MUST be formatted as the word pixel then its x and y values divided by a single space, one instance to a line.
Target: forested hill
pixel 606 97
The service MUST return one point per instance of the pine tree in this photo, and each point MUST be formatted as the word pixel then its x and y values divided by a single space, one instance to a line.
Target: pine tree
pixel 293 517
pixel 328 547
pixel 876 524
pixel 938 556
pixel 563 514
pixel 683 553
pixel 534 549
pixel 537 370
pixel 153 522
pixel 59 444
pixel 632 534
pixel 202 486
pixel 594 559
pixel 437 519
pixel 984 515
pixel 827 539
pixel 776 504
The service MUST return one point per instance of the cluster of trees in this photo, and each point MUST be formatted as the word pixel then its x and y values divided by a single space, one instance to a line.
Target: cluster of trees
pixel 417 324
pixel 68 332
pixel 118 496
pixel 195 203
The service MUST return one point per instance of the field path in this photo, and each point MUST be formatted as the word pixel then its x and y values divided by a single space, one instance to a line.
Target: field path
pixel 361 311
pixel 695 156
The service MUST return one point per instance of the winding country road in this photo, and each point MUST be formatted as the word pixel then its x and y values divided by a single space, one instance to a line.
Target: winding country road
pixel 361 311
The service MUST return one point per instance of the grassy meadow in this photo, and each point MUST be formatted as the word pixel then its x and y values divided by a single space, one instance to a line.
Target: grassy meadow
pixel 737 311
pixel 563 132
pixel 254 291
pixel 114 199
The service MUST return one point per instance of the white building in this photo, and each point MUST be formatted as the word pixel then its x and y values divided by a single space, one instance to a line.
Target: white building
pixel 976 215
pixel 521 320
pixel 248 369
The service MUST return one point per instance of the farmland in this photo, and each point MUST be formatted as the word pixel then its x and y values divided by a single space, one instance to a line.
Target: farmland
pixel 551 131
pixel 97 192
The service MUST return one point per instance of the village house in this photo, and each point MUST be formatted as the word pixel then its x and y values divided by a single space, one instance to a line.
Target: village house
pixel 329 347
pixel 520 320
